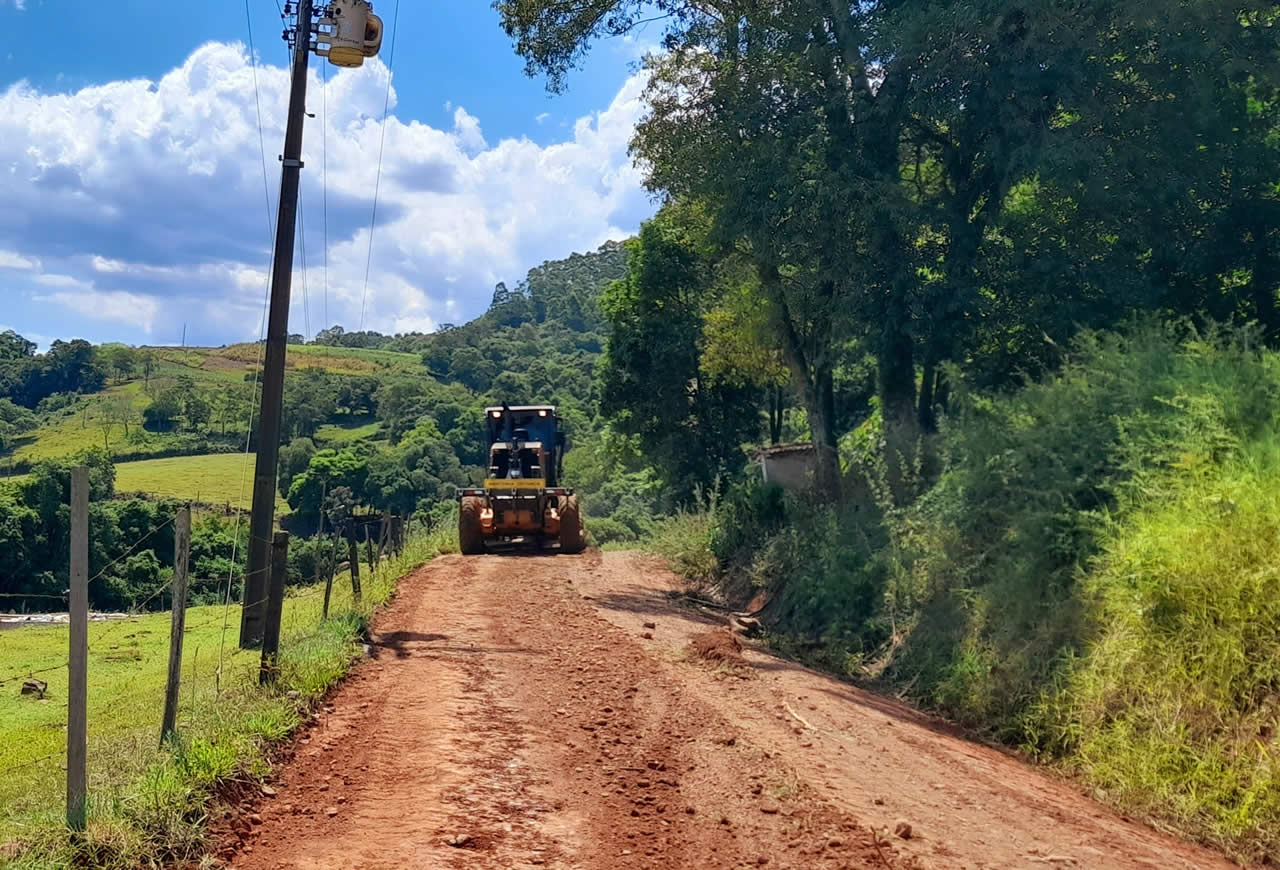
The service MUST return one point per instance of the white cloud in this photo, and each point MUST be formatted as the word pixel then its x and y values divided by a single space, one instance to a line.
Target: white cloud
pixel 20 4
pixel 113 305
pixel 53 280
pixel 542 117
pixel 12 260
pixel 143 201
pixel 467 128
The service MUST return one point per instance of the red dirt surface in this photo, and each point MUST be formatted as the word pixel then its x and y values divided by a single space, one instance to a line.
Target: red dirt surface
pixel 719 645
pixel 546 711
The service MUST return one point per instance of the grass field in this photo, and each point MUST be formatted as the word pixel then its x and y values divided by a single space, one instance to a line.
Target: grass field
pixel 219 478
pixel 82 426
pixel 85 424
pixel 339 435
pixel 140 796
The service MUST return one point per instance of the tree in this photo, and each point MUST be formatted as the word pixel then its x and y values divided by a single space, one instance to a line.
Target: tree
pixel 652 385
pixel 15 420
pixel 148 361
pixel 295 457
pixel 884 166
pixel 162 413
pixel 469 367
pixel 122 360
pixel 197 411
pixel 110 415
pixel 14 347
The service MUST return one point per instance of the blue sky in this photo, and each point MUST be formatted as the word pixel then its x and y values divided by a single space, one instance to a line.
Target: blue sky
pixel 130 149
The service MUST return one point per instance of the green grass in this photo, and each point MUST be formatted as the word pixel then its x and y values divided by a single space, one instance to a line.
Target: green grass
pixel 339 360
pixel 1175 712
pixel 215 479
pixel 347 433
pixel 81 427
pixel 145 802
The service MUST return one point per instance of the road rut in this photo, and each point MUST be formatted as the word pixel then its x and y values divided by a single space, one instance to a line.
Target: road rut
pixel 545 711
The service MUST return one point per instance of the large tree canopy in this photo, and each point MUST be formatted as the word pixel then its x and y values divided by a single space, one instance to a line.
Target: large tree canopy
pixel 952 182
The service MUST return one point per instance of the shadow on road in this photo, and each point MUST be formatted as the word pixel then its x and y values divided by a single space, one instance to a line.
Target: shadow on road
pixel 397 641
pixel 643 602
pixel 407 643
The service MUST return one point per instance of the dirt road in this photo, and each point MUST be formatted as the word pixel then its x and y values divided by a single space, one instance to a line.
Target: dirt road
pixel 544 711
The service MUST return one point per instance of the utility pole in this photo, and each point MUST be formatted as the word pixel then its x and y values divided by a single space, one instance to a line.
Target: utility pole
pixel 262 520
pixel 347 33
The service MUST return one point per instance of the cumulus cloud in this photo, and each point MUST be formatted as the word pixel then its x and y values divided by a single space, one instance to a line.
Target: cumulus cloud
pixel 143 202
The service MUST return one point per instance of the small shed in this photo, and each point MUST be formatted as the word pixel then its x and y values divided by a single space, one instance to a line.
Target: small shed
pixel 791 466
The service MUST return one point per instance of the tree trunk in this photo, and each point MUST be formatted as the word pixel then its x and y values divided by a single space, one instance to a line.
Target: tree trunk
pixel 814 383
pixel 896 365
pixel 928 388
pixel 776 411
pixel 1263 285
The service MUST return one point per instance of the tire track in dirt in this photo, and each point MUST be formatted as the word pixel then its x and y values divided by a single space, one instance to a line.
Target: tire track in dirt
pixel 543 711
pixel 504 723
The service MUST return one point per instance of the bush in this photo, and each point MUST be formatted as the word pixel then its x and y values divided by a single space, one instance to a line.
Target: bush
pixel 684 541
pixel 604 530
pixel 1173 711
pixel 752 512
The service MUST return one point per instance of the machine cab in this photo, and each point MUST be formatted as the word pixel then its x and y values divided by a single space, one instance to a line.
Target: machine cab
pixel 526 443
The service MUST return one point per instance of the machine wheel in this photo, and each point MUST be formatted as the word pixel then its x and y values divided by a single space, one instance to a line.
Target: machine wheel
pixel 470 537
pixel 572 537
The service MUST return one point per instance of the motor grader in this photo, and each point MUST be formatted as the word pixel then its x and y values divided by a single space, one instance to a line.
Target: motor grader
pixel 521 501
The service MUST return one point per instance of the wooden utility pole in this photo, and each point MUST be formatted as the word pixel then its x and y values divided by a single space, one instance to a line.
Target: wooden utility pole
pixel 275 608
pixel 78 663
pixel 262 520
pixel 178 625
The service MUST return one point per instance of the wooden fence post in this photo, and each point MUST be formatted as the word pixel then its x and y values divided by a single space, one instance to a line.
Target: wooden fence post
pixel 384 536
pixel 178 624
pixel 368 551
pixel 353 556
pixel 78 662
pixel 275 608
pixel 328 580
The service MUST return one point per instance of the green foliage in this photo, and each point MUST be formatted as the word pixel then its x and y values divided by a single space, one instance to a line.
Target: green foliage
pixel 685 540
pixel 688 423
pixel 606 530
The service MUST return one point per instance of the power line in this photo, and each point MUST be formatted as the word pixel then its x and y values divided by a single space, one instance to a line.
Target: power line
pixel 324 178
pixel 257 102
pixel 302 251
pixel 386 105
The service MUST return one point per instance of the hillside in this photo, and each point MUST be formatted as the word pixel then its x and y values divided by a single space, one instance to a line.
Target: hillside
pixel 390 423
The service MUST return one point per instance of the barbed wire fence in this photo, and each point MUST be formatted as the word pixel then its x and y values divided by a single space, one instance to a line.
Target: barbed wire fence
pixel 144 700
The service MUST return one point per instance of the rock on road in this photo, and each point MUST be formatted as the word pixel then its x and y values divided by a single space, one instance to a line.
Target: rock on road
pixel 543 711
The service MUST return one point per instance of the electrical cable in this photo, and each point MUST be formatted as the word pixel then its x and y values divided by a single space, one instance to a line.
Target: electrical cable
pixel 324 179
pixel 257 102
pixel 377 184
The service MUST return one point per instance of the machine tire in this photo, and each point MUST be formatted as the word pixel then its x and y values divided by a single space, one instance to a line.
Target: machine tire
pixel 470 537
pixel 572 537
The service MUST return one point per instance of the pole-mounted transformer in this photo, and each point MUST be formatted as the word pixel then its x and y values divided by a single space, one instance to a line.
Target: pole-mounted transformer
pixel 349 32
pixel 346 32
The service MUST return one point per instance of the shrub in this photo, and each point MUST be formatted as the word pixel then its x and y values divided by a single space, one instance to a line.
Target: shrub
pixel 609 531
